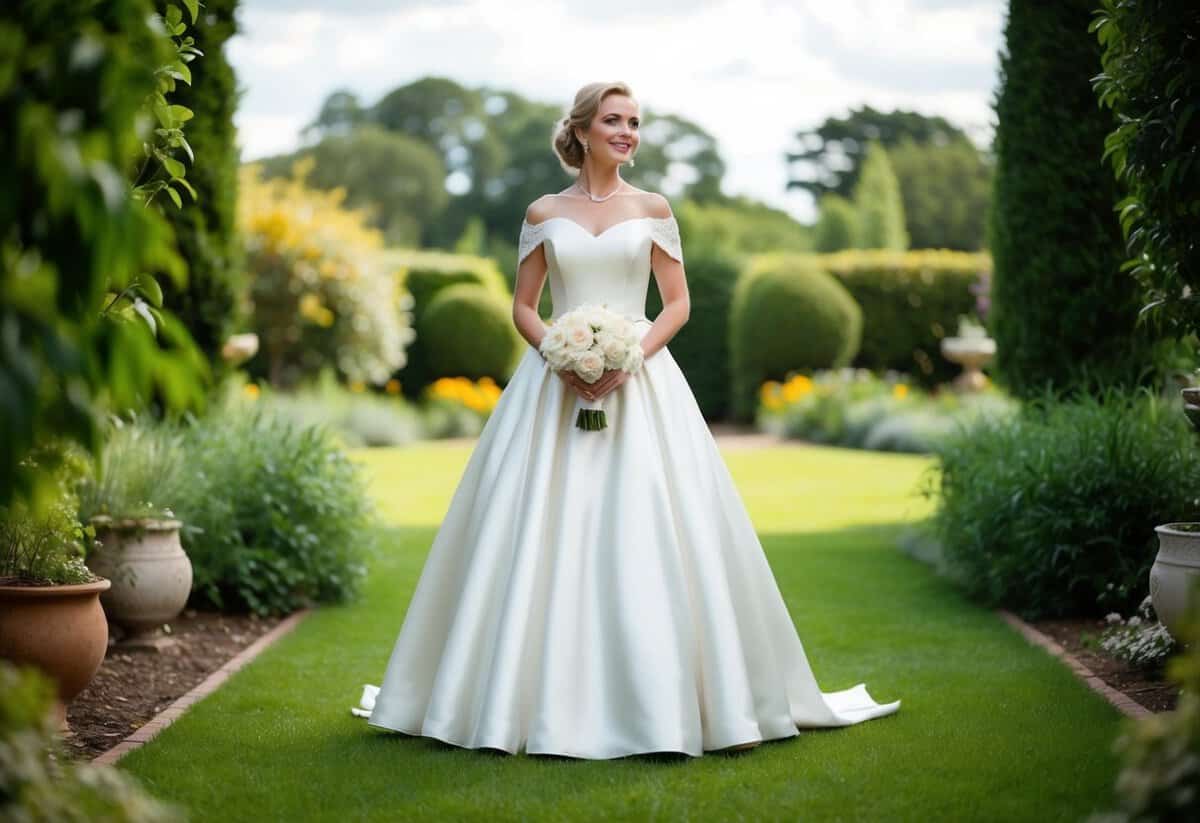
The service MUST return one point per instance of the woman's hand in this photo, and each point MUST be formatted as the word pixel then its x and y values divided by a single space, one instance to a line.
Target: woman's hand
pixel 608 381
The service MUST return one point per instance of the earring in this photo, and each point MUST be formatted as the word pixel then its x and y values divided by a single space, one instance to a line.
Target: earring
pixel 631 161
pixel 585 147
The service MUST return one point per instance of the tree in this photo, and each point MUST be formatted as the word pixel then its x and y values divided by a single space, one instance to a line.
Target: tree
pixel 398 179
pixel 946 192
pixel 830 156
pixel 878 205
pixel 837 225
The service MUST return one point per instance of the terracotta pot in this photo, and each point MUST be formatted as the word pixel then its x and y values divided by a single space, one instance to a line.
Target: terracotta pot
pixel 59 629
pixel 150 573
pixel 1175 569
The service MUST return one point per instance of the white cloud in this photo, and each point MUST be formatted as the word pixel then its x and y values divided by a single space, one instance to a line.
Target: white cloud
pixel 750 71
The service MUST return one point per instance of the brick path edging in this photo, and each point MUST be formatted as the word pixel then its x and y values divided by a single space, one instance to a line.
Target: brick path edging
pixel 1121 701
pixel 206 687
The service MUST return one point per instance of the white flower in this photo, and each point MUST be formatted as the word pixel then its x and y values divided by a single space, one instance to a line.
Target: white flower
pixel 553 340
pixel 590 366
pixel 633 358
pixel 612 347
pixel 1112 617
pixel 578 334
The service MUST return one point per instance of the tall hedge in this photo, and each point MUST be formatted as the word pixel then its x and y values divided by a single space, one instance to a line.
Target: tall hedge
pixel 910 301
pixel 1063 312
pixel 210 304
pixel 701 348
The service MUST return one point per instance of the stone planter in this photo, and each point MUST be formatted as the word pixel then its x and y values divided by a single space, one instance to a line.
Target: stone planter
pixel 150 573
pixel 59 629
pixel 972 353
pixel 1175 569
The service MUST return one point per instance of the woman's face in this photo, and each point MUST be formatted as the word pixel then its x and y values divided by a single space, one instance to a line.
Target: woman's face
pixel 613 135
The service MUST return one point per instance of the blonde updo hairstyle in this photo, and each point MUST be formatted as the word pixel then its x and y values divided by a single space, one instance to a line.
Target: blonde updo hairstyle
pixel 587 102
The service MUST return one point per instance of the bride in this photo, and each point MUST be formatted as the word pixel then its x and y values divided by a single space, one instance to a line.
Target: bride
pixel 597 594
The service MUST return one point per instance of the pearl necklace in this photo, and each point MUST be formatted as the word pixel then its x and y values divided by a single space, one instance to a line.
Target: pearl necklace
pixel 593 197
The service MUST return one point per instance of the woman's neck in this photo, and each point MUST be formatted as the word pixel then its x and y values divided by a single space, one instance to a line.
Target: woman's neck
pixel 599 181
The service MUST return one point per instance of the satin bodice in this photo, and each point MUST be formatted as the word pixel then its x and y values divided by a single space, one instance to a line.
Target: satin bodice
pixel 610 268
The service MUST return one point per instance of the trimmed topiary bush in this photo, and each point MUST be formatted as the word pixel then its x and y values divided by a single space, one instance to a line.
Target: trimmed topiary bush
pixel 468 332
pixel 424 274
pixel 1052 513
pixel 910 301
pixel 787 315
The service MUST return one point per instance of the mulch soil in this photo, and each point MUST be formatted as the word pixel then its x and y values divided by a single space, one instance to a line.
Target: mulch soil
pixel 131 687
pixel 1081 638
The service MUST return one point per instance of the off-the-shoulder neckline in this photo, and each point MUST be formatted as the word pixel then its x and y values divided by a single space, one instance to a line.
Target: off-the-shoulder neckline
pixel 605 231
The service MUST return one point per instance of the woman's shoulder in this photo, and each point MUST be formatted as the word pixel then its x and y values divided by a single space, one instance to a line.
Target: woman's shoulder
pixel 651 203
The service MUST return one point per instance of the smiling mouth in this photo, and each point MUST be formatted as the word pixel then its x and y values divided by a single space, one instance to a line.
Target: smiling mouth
pixel 620 146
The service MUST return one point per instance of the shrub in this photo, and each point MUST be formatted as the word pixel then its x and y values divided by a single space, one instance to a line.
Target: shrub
pixel 468 331
pixel 1151 79
pixel 855 408
pixel 39 783
pixel 1160 774
pixel 837 225
pixel 276 516
pixel 877 203
pixel 322 292
pixel 787 315
pixel 909 301
pixel 1053 512
pixel 425 273
pixel 76 80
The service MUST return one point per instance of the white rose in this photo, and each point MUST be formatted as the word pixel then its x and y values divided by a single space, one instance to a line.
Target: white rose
pixel 597 317
pixel 578 334
pixel 634 358
pixel 590 366
pixel 553 340
pixel 612 347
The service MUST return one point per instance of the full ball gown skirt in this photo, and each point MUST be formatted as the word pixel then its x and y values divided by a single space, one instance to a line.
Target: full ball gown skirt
pixel 597 594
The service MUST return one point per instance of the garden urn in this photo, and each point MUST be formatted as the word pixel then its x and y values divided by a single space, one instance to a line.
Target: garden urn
pixel 151 574
pixel 1175 569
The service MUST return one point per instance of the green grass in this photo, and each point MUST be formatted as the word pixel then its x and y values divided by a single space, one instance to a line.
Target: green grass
pixel 989 729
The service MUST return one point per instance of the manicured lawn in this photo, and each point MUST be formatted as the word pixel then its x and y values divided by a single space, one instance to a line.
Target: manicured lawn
pixel 990 728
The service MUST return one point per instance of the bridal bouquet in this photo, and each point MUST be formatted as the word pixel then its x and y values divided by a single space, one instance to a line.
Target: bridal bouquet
pixel 588 340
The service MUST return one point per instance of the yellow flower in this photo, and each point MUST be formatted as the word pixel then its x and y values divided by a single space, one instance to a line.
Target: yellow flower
pixel 796 388
pixel 392 386
pixel 357 386
pixel 251 390
pixel 899 391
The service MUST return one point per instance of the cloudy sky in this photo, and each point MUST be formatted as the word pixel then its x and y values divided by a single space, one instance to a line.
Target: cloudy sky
pixel 751 72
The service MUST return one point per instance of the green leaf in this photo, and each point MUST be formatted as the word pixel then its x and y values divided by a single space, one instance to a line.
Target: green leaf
pixel 173 166
pixel 174 16
pixel 181 182
pixel 187 147
pixel 193 7
pixel 150 289
pixel 182 114
pixel 175 197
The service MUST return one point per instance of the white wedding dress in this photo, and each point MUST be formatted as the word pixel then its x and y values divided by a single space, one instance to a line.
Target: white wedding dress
pixel 596 594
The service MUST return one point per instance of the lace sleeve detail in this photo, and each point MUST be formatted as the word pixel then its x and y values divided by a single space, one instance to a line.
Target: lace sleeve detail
pixel 532 234
pixel 665 232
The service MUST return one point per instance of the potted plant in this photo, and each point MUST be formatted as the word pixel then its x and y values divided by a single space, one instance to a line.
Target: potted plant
pixel 50 612
pixel 137 544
